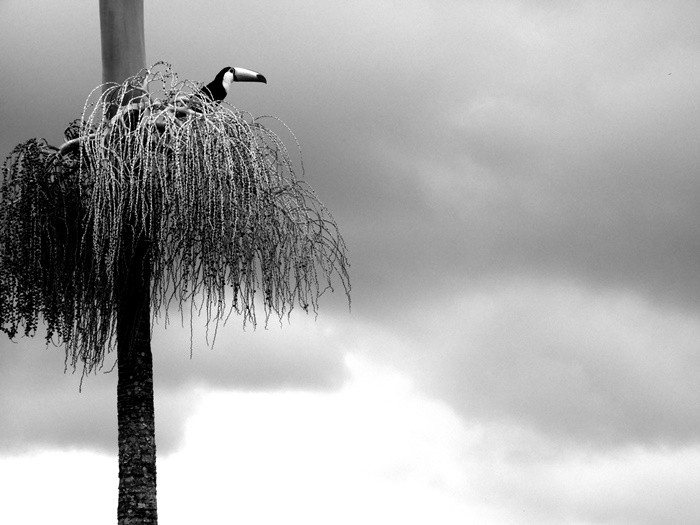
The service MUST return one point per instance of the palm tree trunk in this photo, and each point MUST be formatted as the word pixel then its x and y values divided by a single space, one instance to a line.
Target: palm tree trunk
pixel 122 36
pixel 135 413
pixel 123 55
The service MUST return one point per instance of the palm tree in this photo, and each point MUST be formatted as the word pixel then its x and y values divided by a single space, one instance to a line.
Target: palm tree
pixel 149 205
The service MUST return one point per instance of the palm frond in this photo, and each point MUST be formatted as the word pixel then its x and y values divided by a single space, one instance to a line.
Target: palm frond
pixel 214 191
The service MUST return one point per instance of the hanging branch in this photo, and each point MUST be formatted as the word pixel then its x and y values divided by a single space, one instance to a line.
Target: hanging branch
pixel 216 195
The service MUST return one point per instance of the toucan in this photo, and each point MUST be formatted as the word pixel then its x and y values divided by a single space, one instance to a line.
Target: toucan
pixel 217 89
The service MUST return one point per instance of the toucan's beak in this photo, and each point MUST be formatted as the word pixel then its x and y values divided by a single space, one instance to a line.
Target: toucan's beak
pixel 246 75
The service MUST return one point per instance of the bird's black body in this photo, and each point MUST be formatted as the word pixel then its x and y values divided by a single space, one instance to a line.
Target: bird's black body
pixel 217 89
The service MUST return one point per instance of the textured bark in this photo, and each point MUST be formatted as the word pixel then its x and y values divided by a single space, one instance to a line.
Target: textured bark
pixel 135 413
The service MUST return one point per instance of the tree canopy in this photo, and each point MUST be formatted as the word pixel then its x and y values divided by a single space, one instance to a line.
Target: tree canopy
pixel 230 226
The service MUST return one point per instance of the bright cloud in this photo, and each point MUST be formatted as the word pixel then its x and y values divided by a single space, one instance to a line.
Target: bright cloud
pixel 604 367
pixel 375 452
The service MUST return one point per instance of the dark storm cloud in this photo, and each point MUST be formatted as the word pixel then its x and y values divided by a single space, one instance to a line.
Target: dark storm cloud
pixel 551 145
pixel 50 62
pixel 523 137
pixel 592 368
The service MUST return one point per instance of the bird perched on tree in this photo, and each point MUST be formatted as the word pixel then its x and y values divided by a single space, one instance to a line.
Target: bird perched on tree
pixel 217 89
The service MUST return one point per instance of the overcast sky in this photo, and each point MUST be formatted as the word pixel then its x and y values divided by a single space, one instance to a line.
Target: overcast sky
pixel 517 183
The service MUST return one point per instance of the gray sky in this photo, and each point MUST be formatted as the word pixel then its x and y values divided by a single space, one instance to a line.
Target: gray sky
pixel 517 183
